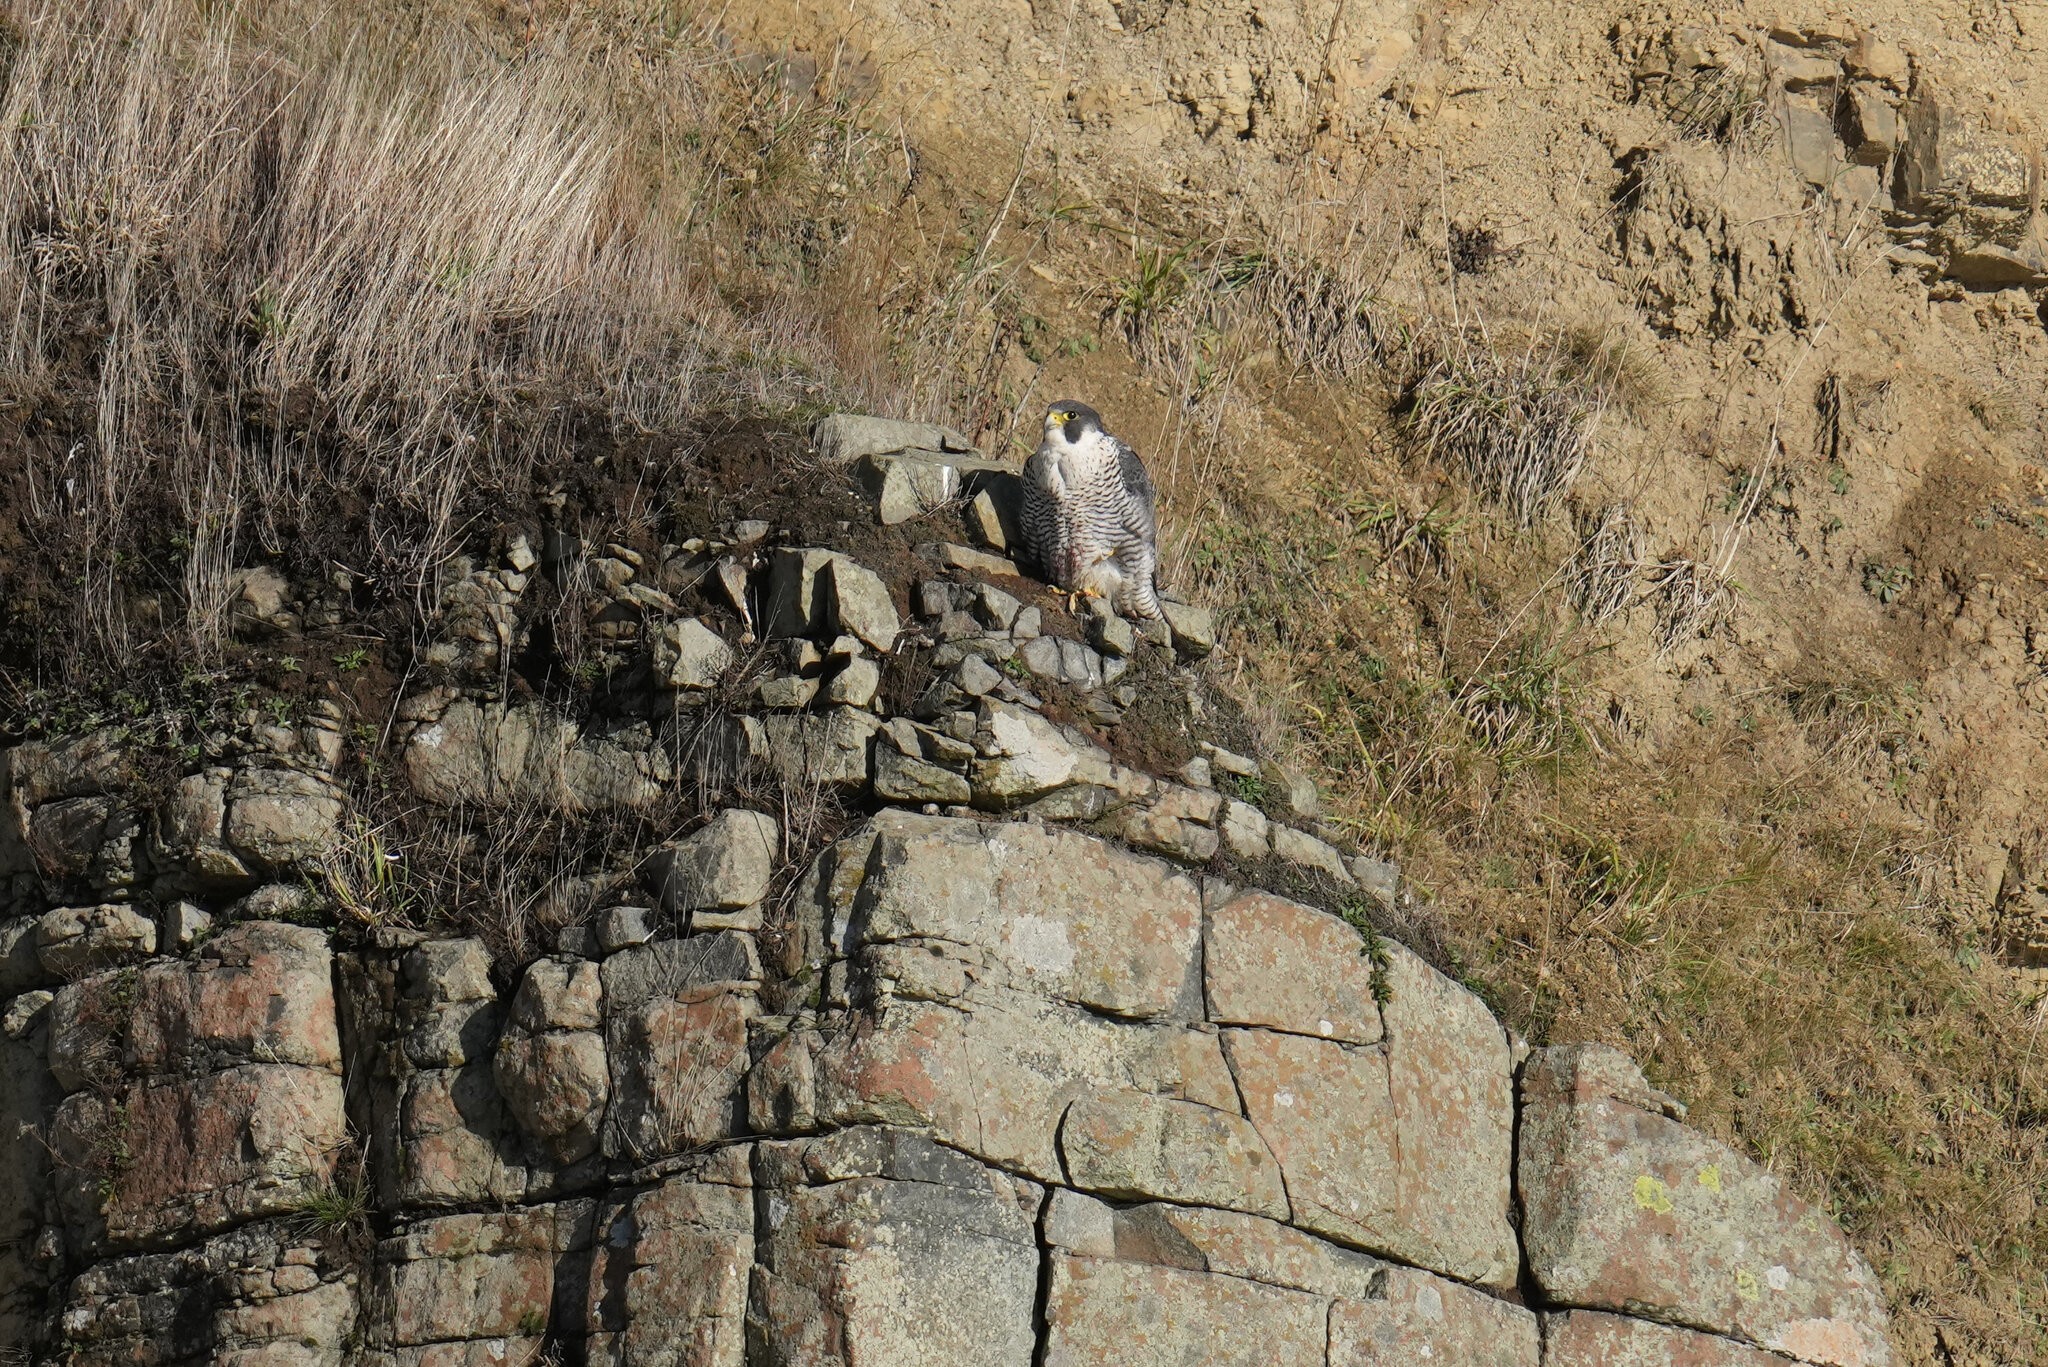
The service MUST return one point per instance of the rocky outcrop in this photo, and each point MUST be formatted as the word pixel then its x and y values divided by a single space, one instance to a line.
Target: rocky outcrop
pixel 1020 1066
pixel 1894 149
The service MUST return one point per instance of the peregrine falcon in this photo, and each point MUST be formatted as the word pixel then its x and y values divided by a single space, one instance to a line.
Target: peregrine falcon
pixel 1088 515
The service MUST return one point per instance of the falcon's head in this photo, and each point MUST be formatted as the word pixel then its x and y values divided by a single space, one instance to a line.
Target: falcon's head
pixel 1072 420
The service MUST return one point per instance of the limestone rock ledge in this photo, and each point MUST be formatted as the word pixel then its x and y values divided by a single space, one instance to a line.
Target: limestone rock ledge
pixel 1014 1070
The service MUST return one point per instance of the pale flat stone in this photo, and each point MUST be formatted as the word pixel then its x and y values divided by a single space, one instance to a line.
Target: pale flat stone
pixel 726 864
pixel 1142 1315
pixel 73 940
pixel 937 1267
pixel 1420 1318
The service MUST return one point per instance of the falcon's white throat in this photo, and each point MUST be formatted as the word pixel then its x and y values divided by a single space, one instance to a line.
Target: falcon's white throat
pixel 1079 462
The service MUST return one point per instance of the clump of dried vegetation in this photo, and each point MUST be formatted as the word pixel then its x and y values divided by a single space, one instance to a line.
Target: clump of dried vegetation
pixel 278 276
pixel 281 284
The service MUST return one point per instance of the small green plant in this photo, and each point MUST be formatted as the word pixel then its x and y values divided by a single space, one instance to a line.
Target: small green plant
pixel 281 709
pixel 288 663
pixel 533 1322
pixel 1838 478
pixel 1246 788
pixel 266 317
pixel 349 661
pixel 368 881
pixel 1160 279
pixel 1886 583
pixel 335 1205
pixel 1358 915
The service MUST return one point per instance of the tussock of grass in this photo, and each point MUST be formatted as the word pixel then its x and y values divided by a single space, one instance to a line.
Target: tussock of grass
pixel 1518 427
pixel 1692 599
pixel 1726 104
pixel 1601 578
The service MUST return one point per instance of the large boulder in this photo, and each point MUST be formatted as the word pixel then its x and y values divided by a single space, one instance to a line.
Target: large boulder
pixel 485 1278
pixel 1587 1338
pixel 1626 1209
pixel 1403 1148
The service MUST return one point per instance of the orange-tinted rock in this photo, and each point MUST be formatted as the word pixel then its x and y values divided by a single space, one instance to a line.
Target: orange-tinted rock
pixel 1325 1111
pixel 668 1276
pixel 481 1276
pixel 678 1072
pixel 1402 1149
pixel 1448 1069
pixel 259 992
pixel 154 1161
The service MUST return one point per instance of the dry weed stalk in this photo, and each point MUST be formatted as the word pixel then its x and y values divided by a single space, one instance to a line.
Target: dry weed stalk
pixel 317 267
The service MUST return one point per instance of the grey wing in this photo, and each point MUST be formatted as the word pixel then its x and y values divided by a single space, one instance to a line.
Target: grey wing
pixel 1141 500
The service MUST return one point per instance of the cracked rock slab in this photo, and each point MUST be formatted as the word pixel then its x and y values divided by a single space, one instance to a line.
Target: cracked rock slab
pixel 1586 1338
pixel 994 1080
pixel 1143 1315
pixel 259 992
pixel 1628 1210
pixel 1065 915
pixel 153 1162
pixel 1133 1146
pixel 936 1269
pixel 1403 1150
pixel 1278 964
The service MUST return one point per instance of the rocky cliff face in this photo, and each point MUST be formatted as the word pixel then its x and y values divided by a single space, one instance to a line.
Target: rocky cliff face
pixel 1010 1061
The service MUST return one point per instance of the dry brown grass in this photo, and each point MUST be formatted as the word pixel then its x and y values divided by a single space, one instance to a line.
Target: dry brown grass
pixel 274 268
